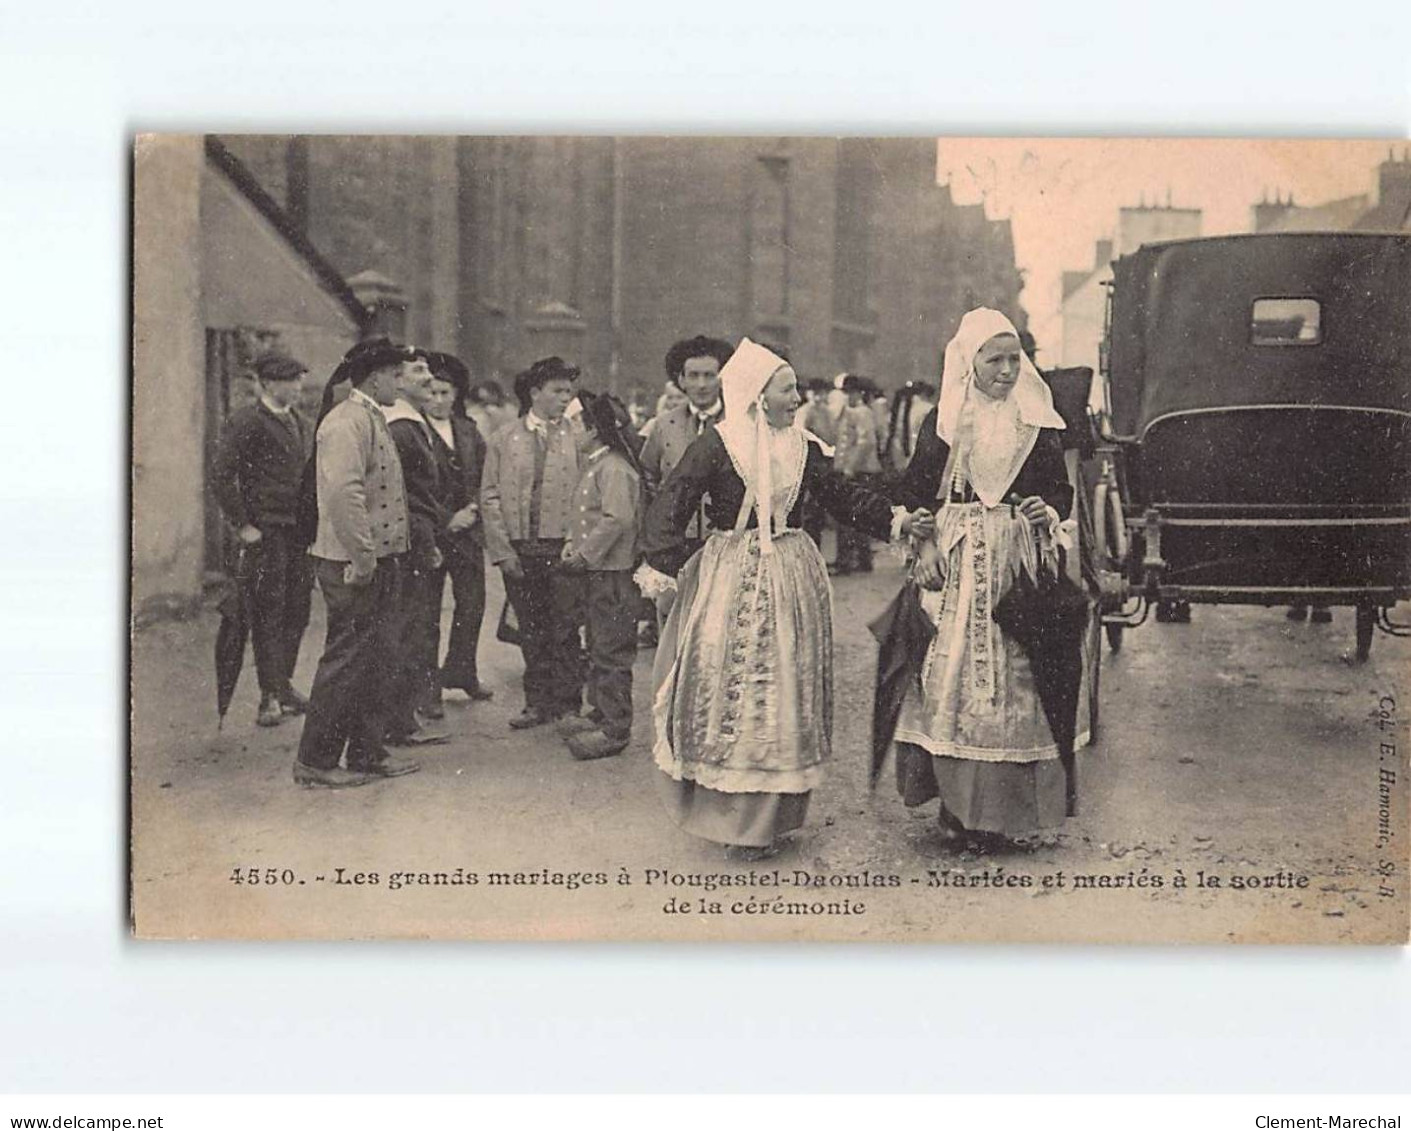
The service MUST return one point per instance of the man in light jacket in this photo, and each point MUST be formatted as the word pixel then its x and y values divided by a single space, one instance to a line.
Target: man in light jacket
pixel 358 557
pixel 526 503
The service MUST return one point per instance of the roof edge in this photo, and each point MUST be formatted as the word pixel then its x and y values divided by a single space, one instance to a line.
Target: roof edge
pixel 245 182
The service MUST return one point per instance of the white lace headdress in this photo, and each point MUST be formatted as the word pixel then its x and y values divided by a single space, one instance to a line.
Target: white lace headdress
pixel 1011 425
pixel 745 430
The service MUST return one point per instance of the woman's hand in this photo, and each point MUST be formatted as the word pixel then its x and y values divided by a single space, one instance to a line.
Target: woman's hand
pixel 919 524
pixel 1034 509
pixel 927 570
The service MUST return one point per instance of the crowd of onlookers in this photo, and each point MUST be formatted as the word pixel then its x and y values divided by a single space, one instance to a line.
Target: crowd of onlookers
pixel 420 475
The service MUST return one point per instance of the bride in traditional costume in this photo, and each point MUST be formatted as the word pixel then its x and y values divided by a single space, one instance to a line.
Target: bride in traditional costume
pixel 989 457
pixel 743 682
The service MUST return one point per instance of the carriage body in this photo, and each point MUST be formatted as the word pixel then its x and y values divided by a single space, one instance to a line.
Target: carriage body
pixel 1258 393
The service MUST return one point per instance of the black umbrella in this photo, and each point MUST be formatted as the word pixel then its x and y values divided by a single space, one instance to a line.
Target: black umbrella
pixel 1047 620
pixel 235 616
pixel 904 633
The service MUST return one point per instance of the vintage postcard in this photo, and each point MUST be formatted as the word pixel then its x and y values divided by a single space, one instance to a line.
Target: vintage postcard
pixel 771 539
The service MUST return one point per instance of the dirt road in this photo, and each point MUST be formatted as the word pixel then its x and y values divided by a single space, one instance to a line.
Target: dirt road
pixel 1241 747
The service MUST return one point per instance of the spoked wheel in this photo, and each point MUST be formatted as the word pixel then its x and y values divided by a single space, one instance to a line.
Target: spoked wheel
pixel 1366 621
pixel 1110 541
pixel 1109 526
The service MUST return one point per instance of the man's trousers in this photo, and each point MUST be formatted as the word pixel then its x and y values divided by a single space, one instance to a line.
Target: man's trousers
pixel 356 676
pixel 548 600
pixel 281 585
pixel 465 562
pixel 612 648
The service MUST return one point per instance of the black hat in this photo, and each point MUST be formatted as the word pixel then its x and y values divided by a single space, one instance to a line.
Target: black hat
pixel 549 369
pixel 609 419
pixel 368 356
pixel 540 374
pixel 278 367
pixel 451 369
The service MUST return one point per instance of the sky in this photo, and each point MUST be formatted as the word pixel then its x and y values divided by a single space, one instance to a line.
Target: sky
pixel 1062 195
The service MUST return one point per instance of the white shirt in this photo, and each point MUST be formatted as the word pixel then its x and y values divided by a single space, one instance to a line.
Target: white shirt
pixel 443 429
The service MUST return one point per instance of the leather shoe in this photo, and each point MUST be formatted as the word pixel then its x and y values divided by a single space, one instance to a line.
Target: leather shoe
pixel 593 745
pixel 390 767
pixel 529 717
pixel 292 703
pixel 574 724
pixel 269 714
pixel 472 690
pixel 311 776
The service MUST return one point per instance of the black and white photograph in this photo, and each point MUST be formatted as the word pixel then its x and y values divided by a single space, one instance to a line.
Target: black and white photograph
pixel 770 538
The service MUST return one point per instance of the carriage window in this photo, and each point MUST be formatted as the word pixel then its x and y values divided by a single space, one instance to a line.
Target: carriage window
pixel 1286 322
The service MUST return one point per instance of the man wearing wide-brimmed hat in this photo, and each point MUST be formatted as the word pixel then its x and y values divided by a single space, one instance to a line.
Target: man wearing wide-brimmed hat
pixel 526 499
pixel 358 556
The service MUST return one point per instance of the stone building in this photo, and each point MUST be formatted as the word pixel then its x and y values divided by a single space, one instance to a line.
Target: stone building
pixel 846 253
pixel 605 250
pixel 217 276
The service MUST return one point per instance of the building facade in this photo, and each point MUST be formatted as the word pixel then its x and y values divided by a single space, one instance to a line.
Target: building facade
pixel 844 252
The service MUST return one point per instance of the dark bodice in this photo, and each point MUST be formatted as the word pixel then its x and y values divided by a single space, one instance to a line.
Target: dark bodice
pixel 706 470
pixel 1043 473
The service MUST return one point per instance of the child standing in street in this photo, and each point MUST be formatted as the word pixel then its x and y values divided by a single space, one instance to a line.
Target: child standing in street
pixel 603 546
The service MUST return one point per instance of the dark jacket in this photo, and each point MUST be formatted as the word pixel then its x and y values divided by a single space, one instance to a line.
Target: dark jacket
pixel 259 465
pixel 427 514
pixel 706 469
pixel 1043 473
pixel 461 466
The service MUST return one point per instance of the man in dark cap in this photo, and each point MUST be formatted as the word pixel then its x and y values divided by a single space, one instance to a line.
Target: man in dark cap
pixel 526 502
pixel 255 478
pixel 358 552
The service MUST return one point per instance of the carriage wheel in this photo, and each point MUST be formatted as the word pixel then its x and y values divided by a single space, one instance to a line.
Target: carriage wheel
pixel 1114 636
pixel 1109 526
pixel 1366 621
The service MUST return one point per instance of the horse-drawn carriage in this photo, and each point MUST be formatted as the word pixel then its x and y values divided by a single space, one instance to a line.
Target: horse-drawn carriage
pixel 1255 442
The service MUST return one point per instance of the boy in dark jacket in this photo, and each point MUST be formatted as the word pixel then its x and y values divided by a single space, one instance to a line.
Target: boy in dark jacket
pixel 256 476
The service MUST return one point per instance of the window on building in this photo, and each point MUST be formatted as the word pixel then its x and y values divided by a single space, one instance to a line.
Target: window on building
pixel 769 236
pixel 1286 322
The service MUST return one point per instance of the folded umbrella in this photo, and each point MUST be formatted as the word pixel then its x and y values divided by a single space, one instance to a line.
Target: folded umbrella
pixel 904 633
pixel 235 609
pixel 1047 620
